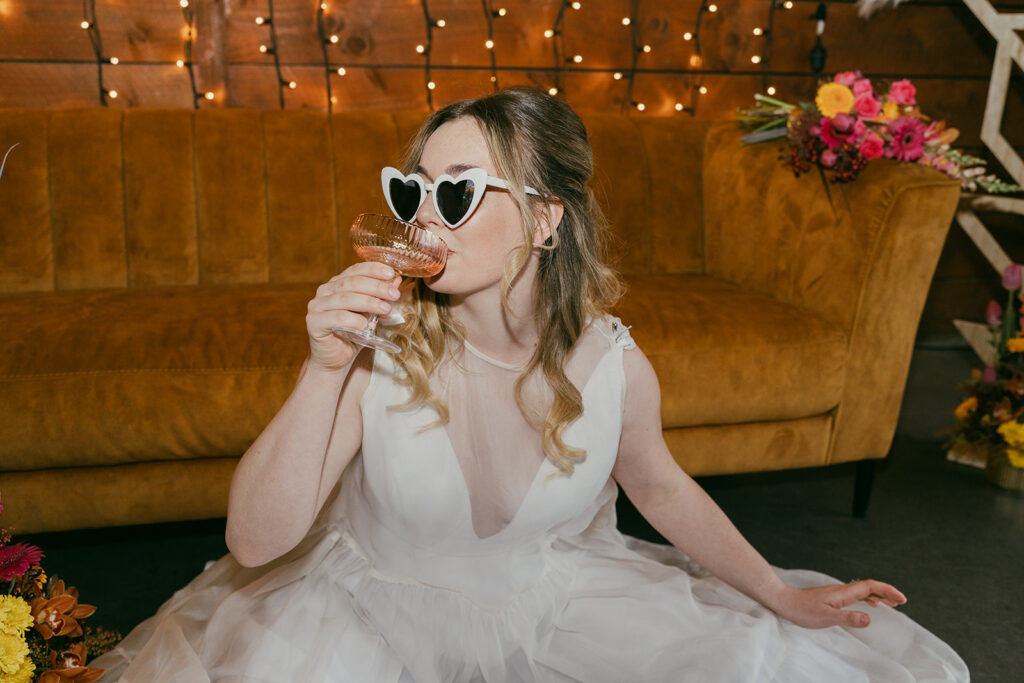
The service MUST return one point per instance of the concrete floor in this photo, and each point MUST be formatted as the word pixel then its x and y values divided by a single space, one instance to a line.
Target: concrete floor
pixel 952 543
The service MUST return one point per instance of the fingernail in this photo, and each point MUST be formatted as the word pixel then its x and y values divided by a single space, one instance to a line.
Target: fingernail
pixel 394 292
pixel 385 306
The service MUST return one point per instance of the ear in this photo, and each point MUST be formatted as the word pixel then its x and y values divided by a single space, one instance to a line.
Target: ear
pixel 549 216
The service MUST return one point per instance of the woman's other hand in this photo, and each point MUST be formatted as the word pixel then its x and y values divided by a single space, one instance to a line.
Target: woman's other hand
pixel 347 300
pixel 822 606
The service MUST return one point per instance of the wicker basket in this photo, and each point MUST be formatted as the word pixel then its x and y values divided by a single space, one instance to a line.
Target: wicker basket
pixel 1000 472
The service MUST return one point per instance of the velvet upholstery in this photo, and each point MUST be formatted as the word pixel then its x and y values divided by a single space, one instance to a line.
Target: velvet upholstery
pixel 155 265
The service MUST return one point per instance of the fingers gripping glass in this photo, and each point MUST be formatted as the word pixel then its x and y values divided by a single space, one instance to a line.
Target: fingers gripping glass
pixel 455 199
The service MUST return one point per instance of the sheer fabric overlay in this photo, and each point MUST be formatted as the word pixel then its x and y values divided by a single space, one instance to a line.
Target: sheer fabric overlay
pixel 459 553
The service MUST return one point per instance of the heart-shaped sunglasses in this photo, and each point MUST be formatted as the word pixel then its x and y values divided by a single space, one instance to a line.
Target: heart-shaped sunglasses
pixel 455 199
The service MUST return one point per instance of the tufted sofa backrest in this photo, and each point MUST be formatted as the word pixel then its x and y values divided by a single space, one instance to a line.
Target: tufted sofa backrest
pixel 100 198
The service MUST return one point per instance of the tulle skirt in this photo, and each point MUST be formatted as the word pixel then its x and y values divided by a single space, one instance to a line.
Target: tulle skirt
pixel 606 608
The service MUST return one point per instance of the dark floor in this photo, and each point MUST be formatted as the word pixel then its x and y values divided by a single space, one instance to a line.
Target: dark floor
pixel 938 531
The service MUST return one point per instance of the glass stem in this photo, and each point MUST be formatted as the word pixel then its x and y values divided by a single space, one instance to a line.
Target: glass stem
pixel 371 324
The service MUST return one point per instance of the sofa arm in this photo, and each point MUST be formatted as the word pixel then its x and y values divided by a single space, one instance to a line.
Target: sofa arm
pixel 863 261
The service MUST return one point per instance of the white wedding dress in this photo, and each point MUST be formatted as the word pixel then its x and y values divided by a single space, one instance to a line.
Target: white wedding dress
pixel 459 553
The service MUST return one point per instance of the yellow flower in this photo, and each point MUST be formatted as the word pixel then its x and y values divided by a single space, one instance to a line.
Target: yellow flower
pixel 1016 457
pixel 13 655
pixel 966 408
pixel 26 674
pixel 834 98
pixel 890 111
pixel 15 615
pixel 1015 345
pixel 1013 432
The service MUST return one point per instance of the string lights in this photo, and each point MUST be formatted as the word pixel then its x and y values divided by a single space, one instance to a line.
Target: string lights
pixel 190 32
pixel 424 50
pixel 272 50
pixel 325 41
pixel 89 24
pixel 490 15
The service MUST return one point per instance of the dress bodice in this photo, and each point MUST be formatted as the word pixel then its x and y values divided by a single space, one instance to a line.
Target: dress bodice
pixel 423 497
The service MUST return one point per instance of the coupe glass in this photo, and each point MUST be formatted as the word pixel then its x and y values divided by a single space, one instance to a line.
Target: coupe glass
pixel 411 251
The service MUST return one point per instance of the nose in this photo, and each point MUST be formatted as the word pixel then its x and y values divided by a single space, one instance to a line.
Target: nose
pixel 427 216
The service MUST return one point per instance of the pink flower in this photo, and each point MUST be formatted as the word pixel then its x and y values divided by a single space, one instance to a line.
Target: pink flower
pixel 17 559
pixel 872 147
pixel 866 106
pixel 847 78
pixel 862 87
pixel 989 375
pixel 993 313
pixel 902 92
pixel 836 131
pixel 907 142
pixel 1012 277
pixel 828 158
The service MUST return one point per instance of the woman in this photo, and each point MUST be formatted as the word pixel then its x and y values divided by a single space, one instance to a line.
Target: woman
pixel 472 536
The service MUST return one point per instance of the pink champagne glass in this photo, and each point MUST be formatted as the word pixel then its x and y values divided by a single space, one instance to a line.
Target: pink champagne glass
pixel 410 250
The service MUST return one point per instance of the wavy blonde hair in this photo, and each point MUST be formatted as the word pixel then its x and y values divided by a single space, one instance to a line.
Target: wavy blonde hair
pixel 537 140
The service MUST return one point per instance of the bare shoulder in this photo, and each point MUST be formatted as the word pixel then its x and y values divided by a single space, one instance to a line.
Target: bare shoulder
pixel 642 389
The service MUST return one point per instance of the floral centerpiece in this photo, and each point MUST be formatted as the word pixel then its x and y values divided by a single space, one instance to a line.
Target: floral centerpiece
pixel 851 123
pixel 989 427
pixel 42 633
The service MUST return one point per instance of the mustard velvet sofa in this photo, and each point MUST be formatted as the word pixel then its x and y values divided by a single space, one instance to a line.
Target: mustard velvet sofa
pixel 155 267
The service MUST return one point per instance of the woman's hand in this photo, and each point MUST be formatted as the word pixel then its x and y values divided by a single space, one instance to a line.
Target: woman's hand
pixel 346 300
pixel 822 606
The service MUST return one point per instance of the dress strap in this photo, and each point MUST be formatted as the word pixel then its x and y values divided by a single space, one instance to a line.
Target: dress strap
pixel 620 333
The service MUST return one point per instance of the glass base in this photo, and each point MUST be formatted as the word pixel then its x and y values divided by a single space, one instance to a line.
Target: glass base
pixel 365 338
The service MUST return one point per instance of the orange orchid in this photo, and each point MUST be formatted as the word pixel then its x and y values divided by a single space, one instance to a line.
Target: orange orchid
pixel 70 667
pixel 58 615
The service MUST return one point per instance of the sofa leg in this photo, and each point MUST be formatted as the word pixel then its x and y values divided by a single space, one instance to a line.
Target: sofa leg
pixel 862 487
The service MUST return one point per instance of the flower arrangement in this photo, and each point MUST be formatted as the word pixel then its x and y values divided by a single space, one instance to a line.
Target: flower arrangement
pixel 850 124
pixel 989 430
pixel 42 634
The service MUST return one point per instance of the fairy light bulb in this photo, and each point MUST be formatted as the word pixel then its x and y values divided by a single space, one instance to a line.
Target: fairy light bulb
pixel 712 8
pixel 758 31
pixel 548 33
pixel 264 49
pixel 209 95
pixel 625 21
pixel 679 106
pixel 788 4
pixel 647 48
pixel 494 79
pixel 292 84
pixel 85 25
pixel 687 36
pixel 695 61
pixel 440 23
pixel 578 58
pixel 334 40
pixel 431 85
pixel 552 91
pixel 755 59
pixel 113 60
pixel 771 90
pixel 420 49
pixel 180 63
pixel 617 75
pixel 334 99
pixel 640 106
pixel 323 6
pixel 576 5
pixel 489 44
pixel 341 71
pixel 703 90
pixel 112 94
pixel 260 21
pixel 183 3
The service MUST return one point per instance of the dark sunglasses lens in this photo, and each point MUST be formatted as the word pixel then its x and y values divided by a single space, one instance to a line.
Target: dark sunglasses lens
pixel 454 199
pixel 405 198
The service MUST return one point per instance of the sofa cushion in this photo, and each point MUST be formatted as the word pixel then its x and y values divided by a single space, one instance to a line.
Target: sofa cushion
pixel 116 376
pixel 725 355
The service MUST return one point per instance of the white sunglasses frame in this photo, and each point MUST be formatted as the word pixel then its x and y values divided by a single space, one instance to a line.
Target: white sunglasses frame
pixel 478 176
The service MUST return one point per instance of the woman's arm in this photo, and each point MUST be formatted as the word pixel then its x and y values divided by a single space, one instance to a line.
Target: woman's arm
pixel 683 513
pixel 284 478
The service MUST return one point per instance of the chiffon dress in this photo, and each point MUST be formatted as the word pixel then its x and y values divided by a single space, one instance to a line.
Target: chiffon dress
pixel 459 552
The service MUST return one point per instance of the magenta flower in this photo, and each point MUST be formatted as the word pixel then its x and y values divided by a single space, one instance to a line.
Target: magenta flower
pixel 902 92
pixel 836 131
pixel 994 313
pixel 847 78
pixel 867 107
pixel 988 375
pixel 861 87
pixel 1012 277
pixel 907 142
pixel 871 147
pixel 17 559
pixel 829 158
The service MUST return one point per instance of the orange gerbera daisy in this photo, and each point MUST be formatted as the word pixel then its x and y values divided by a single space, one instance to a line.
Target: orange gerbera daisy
pixel 834 98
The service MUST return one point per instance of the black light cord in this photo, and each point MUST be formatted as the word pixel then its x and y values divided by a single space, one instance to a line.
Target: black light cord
pixel 321 31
